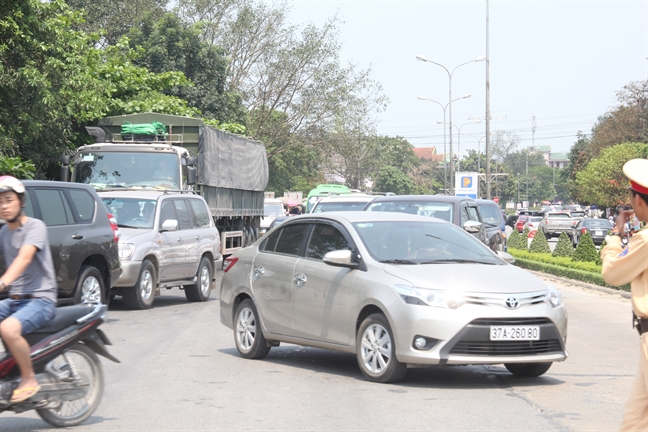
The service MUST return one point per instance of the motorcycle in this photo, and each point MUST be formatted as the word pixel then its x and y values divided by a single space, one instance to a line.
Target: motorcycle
pixel 64 355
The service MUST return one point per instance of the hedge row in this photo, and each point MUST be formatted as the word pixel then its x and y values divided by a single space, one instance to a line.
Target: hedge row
pixel 583 276
pixel 548 258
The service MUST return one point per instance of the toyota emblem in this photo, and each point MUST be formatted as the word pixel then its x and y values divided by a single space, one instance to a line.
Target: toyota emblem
pixel 512 303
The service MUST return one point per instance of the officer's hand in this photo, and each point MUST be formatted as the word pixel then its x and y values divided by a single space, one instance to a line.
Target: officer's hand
pixel 622 218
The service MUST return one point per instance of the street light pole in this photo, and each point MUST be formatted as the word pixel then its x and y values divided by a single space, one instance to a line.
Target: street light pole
pixel 450 73
pixel 444 107
pixel 459 136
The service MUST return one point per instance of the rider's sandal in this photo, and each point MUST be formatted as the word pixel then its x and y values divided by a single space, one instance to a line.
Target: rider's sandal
pixel 24 393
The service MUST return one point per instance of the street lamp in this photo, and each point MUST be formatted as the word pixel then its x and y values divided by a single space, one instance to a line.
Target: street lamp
pixel 479 140
pixel 517 183
pixel 459 135
pixel 445 172
pixel 423 59
pixel 532 151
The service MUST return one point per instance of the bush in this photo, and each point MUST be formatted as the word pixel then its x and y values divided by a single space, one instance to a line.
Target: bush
pixel 585 251
pixel 16 167
pixel 525 233
pixel 516 241
pixel 539 244
pixel 564 246
pixel 559 261
pixel 598 259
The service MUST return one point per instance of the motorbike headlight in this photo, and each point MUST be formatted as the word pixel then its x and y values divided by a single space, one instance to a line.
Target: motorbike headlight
pixel 553 297
pixel 126 250
pixel 428 297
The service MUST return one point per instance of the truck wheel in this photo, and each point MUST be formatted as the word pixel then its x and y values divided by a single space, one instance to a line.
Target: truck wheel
pixel 199 292
pixel 90 287
pixel 141 296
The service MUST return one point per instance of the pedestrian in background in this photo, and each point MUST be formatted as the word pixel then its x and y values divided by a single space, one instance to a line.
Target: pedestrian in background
pixel 630 265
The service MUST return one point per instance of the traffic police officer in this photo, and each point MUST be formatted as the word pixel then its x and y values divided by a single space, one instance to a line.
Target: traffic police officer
pixel 630 264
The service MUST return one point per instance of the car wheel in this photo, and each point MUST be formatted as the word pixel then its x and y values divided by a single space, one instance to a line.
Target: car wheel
pixel 248 335
pixel 528 370
pixel 376 351
pixel 90 287
pixel 199 292
pixel 141 296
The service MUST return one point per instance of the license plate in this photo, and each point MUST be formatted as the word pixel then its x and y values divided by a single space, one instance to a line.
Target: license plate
pixel 598 233
pixel 499 333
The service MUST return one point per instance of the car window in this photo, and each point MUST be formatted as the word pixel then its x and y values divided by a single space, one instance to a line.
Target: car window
pixel 558 216
pixel 185 218
pixel 324 239
pixel 340 206
pixel 291 239
pixel 491 214
pixel 439 210
pixel 29 207
pixel 131 212
pixel 200 213
pixel 473 214
pixel 604 223
pixel 54 207
pixel 167 212
pixel 270 243
pixel 83 203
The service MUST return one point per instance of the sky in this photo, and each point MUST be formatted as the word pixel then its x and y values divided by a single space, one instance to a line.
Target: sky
pixel 562 61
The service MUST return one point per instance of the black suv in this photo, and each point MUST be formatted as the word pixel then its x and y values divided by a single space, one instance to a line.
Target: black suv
pixel 83 239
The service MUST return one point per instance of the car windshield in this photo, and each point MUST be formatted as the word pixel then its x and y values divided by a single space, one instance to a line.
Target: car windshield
pixel 558 216
pixel 132 212
pixel 603 223
pixel 439 210
pixel 273 210
pixel 490 214
pixel 535 219
pixel 578 214
pixel 127 170
pixel 340 206
pixel 409 242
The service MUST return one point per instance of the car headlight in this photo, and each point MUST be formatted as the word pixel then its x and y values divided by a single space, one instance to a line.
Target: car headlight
pixel 126 250
pixel 428 297
pixel 553 297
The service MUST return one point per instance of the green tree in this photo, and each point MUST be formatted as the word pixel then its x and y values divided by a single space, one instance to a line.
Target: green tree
pixel 517 241
pixel 539 243
pixel 585 251
pixel 564 246
pixel 391 179
pixel 16 167
pixel 170 45
pixel 602 182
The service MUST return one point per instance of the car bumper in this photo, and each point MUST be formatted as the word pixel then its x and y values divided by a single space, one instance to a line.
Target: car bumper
pixel 130 273
pixel 463 336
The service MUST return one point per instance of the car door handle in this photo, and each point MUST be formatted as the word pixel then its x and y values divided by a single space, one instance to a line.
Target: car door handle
pixel 300 279
pixel 258 271
pixel 77 236
pixel 197 237
pixel 179 239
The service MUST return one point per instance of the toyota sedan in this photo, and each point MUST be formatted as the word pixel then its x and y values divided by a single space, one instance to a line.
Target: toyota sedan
pixel 398 290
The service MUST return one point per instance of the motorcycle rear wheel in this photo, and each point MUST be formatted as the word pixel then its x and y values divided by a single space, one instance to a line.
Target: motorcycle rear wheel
pixel 88 367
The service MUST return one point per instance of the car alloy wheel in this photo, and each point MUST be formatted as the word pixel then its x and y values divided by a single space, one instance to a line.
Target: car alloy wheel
pixel 376 349
pixel 146 285
pixel 248 335
pixel 91 291
pixel 246 329
pixel 205 280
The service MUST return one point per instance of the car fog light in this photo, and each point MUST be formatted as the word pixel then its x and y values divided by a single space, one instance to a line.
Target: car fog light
pixel 419 342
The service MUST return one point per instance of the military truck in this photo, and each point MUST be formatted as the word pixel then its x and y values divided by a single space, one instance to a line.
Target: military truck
pixel 229 171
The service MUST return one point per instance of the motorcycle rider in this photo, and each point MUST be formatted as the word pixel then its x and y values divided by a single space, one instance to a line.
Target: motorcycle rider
pixel 30 278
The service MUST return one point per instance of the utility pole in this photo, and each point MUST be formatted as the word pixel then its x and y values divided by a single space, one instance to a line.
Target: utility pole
pixel 488 179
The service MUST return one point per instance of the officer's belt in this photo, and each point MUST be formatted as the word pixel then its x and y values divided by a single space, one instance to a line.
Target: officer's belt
pixel 641 324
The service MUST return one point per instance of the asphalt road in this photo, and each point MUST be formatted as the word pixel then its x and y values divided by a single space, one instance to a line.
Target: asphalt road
pixel 180 371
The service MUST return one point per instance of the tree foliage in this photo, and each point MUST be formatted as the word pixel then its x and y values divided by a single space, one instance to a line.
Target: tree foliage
pixel 602 181
pixel 14 166
pixel 539 244
pixel 391 179
pixel 585 251
pixel 564 246
pixel 517 241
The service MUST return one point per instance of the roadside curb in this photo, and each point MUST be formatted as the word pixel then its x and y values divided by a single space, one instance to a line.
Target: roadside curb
pixel 624 294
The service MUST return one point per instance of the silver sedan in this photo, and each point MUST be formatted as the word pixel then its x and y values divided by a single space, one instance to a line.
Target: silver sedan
pixel 397 290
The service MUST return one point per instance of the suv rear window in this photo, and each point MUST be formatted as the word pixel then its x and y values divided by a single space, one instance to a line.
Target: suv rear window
pixel 200 212
pixel 83 203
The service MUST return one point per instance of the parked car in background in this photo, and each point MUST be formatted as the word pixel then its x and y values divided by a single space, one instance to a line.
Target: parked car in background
pixel 532 223
pixel 272 208
pixel 494 223
pixel 598 229
pixel 168 240
pixel 353 202
pixel 83 239
pixel 554 223
pixel 398 290
pixel 521 210
pixel 577 215
pixel 460 211
pixel 521 220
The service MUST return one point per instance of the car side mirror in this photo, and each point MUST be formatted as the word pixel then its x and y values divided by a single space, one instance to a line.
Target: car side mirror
pixel 506 257
pixel 169 225
pixel 472 226
pixel 191 175
pixel 573 226
pixel 340 258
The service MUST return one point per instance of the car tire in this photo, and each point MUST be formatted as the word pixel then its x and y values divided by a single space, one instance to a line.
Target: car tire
pixel 141 296
pixel 200 291
pixel 248 336
pixel 528 370
pixel 378 361
pixel 90 288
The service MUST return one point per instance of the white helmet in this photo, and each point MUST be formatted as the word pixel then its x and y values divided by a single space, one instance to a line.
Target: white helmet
pixel 9 183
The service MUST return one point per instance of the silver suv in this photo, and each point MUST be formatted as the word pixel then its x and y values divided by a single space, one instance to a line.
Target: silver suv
pixel 168 239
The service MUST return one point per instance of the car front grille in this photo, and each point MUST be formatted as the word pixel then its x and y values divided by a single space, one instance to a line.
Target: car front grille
pixel 510 321
pixel 506 348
